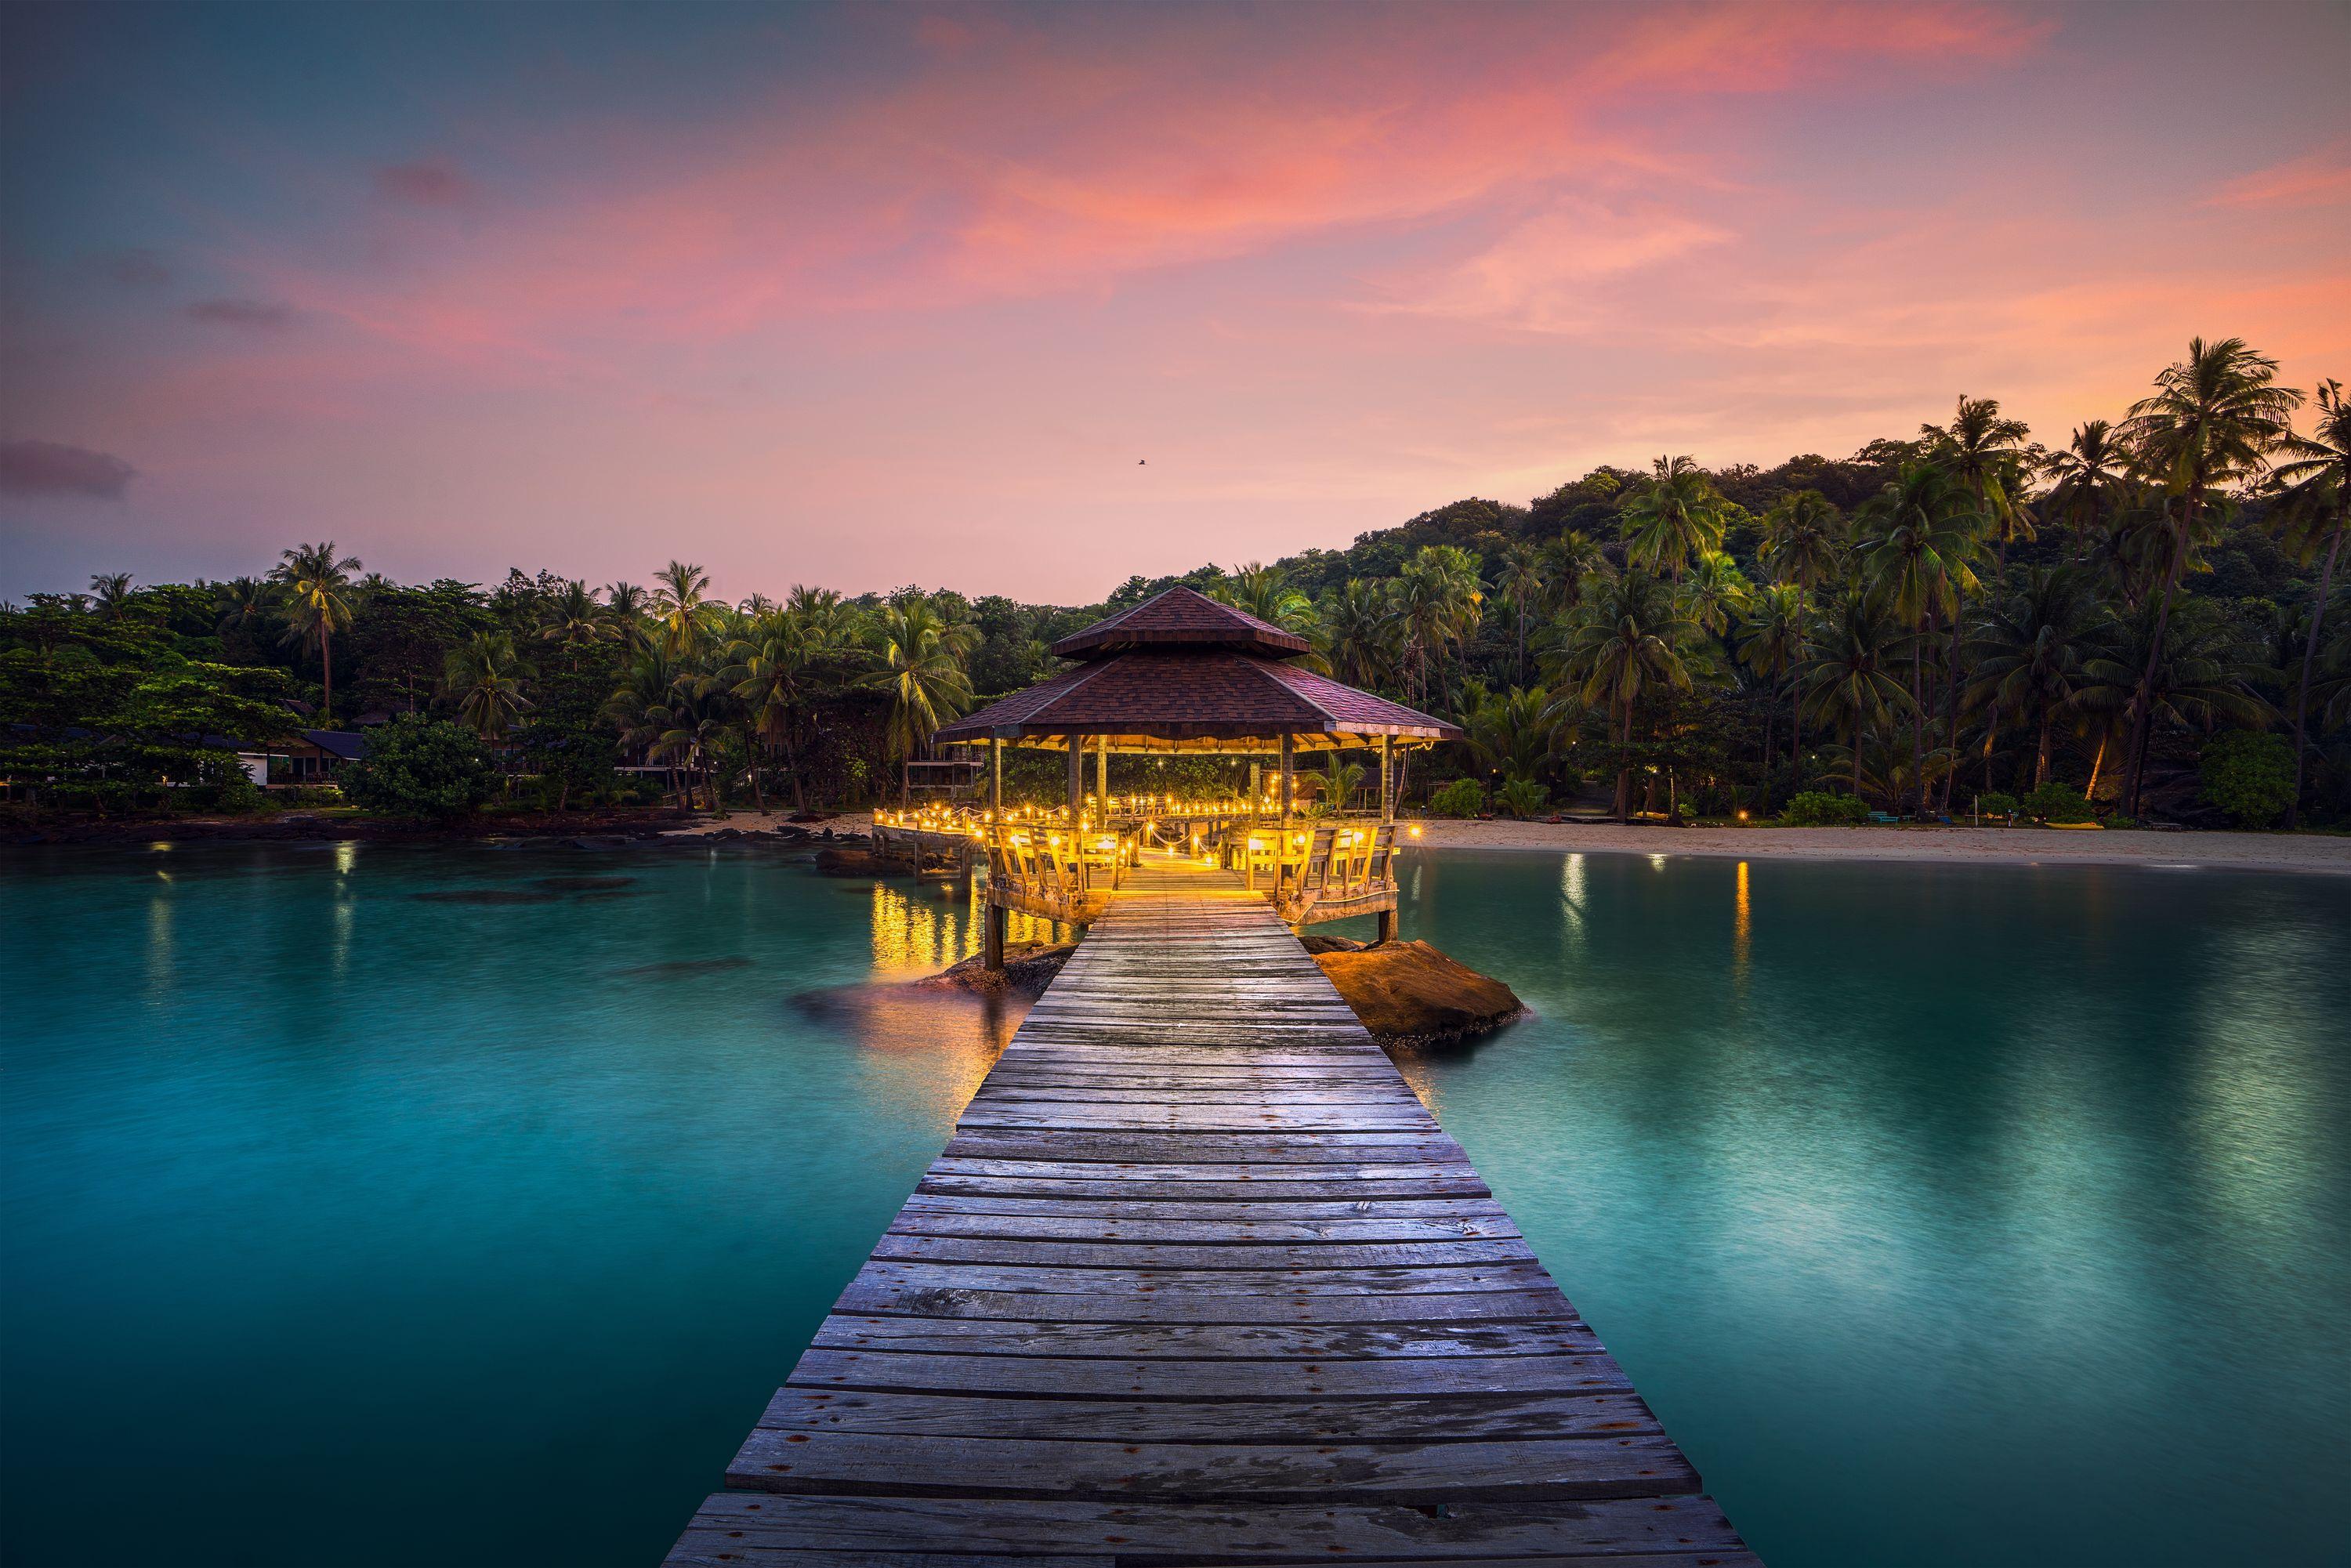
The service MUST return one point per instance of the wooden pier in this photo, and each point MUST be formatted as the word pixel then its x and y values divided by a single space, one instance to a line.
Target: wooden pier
pixel 1199 1281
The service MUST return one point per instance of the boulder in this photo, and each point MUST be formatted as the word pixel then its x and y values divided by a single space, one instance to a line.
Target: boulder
pixel 1028 968
pixel 1408 993
pixel 835 861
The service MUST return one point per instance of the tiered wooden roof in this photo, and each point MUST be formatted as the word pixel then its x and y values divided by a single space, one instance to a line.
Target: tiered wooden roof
pixel 1183 672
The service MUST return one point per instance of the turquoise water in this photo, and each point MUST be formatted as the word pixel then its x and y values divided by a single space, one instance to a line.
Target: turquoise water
pixel 1948 1214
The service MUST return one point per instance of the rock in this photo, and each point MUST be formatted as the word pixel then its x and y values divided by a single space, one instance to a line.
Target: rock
pixel 1408 993
pixel 1320 944
pixel 835 861
pixel 1028 968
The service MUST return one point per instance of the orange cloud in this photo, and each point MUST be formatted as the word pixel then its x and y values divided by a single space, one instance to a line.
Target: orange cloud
pixel 2316 179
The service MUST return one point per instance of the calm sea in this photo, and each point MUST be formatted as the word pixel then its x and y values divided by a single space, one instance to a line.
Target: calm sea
pixel 383 1206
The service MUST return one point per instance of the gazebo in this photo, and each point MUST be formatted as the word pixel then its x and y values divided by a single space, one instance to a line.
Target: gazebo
pixel 1183 674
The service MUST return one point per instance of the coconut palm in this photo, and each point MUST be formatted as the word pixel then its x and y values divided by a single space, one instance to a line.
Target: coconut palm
pixel 1359 634
pixel 1439 597
pixel 1715 593
pixel 2183 667
pixel 1570 564
pixel 111 592
pixel 1988 455
pixel 1519 577
pixel 2313 477
pixel 923 668
pixel 772 672
pixel 245 605
pixel 681 607
pixel 576 618
pixel 2211 424
pixel 1803 540
pixel 483 676
pixel 1676 515
pixel 2087 478
pixel 1846 677
pixel 627 606
pixel 316 585
pixel 644 706
pixel 1921 534
pixel 1516 734
pixel 2031 650
pixel 1771 642
pixel 1624 644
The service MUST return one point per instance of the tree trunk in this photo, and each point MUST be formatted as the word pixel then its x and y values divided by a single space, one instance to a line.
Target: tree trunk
pixel 905 780
pixel 2040 757
pixel 1625 773
pixel 1951 705
pixel 1523 639
pixel 1795 738
pixel 327 675
pixel 2310 657
pixel 1992 732
pixel 2142 700
pixel 1918 723
pixel 1771 720
pixel 2096 762
pixel 1856 756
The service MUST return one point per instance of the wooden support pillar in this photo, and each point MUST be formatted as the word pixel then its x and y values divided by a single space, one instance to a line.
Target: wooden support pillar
pixel 1257 785
pixel 994 918
pixel 1077 782
pixel 1387 778
pixel 996 782
pixel 1101 777
pixel 1289 755
pixel 1385 930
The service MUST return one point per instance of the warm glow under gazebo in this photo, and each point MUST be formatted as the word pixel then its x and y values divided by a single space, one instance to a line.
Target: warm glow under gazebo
pixel 1181 674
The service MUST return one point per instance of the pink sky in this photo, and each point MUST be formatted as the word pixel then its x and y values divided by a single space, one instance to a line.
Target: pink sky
pixel 894 295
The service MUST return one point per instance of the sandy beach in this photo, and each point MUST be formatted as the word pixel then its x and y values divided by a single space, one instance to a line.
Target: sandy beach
pixel 2325 853
pixel 1986 846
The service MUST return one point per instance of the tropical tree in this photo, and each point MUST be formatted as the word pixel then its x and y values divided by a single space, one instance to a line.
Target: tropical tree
pixel 2313 477
pixel 1439 597
pixel 923 659
pixel 1360 632
pixel 316 585
pixel 1622 644
pixel 645 707
pixel 2031 653
pixel 245 605
pixel 1519 577
pixel 628 606
pixel 1921 534
pixel 1771 642
pixel 1569 563
pixel 1516 734
pixel 682 608
pixel 1803 541
pixel 110 591
pixel 2181 669
pixel 483 677
pixel 2087 478
pixel 575 619
pixel 1676 515
pixel 1988 455
pixel 1715 593
pixel 1846 678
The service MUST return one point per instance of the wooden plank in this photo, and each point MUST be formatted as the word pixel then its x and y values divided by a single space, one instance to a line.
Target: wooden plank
pixel 1198 1279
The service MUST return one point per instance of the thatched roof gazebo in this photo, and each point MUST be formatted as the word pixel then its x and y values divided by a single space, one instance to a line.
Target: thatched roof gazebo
pixel 1181 674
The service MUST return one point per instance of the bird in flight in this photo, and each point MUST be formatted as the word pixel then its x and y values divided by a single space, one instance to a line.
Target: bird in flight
pixel 1141 462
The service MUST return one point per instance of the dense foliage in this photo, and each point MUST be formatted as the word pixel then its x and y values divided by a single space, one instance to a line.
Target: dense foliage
pixel 1967 613
pixel 425 767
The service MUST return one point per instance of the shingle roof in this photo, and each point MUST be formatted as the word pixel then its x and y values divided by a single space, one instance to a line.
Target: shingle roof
pixel 1178 618
pixel 1197 692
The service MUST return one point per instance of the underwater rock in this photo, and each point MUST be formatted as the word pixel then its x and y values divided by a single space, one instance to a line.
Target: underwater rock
pixel 583 883
pixel 487 895
pixel 1408 993
pixel 682 968
pixel 834 861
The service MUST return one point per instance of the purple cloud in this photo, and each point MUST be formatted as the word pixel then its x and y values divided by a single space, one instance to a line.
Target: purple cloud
pixel 429 183
pixel 132 268
pixel 251 315
pixel 52 468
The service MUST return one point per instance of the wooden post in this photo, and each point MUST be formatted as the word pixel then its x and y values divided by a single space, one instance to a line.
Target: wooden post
pixel 993 920
pixel 1387 777
pixel 1289 744
pixel 996 783
pixel 1101 777
pixel 1077 783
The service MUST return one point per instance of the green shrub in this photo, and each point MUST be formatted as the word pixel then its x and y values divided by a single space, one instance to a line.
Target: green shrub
pixel 2055 802
pixel 1524 797
pixel 418 767
pixel 1462 798
pixel 2119 821
pixel 1819 809
pixel 1998 803
pixel 2250 775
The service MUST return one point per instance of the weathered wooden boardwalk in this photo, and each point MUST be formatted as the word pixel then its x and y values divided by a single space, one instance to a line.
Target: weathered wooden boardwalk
pixel 1200 1281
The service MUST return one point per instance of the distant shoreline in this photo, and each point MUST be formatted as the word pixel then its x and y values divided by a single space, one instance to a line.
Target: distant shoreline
pixel 2322 853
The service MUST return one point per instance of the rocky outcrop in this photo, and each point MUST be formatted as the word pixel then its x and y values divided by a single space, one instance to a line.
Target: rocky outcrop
pixel 834 860
pixel 1028 968
pixel 1408 993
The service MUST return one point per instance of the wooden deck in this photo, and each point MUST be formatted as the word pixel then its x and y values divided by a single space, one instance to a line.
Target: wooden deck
pixel 1198 1279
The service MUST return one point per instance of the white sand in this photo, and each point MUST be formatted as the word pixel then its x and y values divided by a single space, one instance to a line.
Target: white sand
pixel 1987 846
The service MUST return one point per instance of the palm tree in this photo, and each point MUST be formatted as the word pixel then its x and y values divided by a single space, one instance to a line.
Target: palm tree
pixel 111 589
pixel 2085 476
pixel 318 604
pixel 1517 735
pixel 1922 533
pixel 1715 593
pixel 1773 644
pixel 1803 540
pixel 1988 456
pixel 1341 780
pixel 922 667
pixel 2213 421
pixel 484 676
pixel 771 670
pixel 2314 477
pixel 1360 632
pixel 576 620
pixel 1675 516
pixel 644 706
pixel 1845 679
pixel 2031 654
pixel 1571 563
pixel 1439 597
pixel 245 605
pixel 1624 643
pixel 2184 667
pixel 682 607
pixel 626 603
pixel 1519 579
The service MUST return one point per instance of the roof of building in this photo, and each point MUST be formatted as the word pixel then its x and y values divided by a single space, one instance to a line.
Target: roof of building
pixel 341 743
pixel 1181 672
pixel 1179 618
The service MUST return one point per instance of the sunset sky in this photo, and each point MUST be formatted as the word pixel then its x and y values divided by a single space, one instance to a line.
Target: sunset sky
pixel 1022 300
